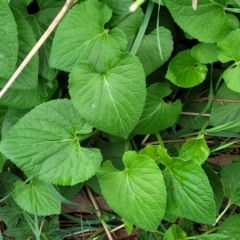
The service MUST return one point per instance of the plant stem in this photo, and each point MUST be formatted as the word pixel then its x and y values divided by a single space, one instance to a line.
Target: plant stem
pixel 207 232
pixel 201 132
pixel 163 227
pixel 159 139
pixel 158 38
pixel 143 28
pixel 222 213
pixel 40 42
pixel 86 136
pixel 126 145
pixel 221 76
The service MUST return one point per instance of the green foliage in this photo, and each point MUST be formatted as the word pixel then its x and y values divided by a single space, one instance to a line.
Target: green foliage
pixel 55 155
pixel 185 71
pixel 175 233
pixel 9 42
pixel 139 195
pixel 76 113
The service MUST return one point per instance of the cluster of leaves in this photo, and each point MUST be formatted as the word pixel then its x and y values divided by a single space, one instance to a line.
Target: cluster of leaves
pixel 121 70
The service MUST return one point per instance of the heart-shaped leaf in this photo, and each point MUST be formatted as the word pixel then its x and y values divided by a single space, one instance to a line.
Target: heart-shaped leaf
pixel 75 40
pixel 185 71
pixel 111 100
pixel 45 143
pixel 137 193
pixel 195 149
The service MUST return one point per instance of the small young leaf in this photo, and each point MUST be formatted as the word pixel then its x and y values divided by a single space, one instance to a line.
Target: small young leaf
pixel 205 52
pixel 90 43
pixel 36 198
pixel 231 77
pixel 231 181
pixel 231 227
pixel 137 193
pixel 158 115
pixel 209 23
pixel 8 41
pixel 151 151
pixel 44 143
pixel 148 51
pixel 195 149
pixel 175 233
pixel 185 71
pixel 111 100
pixel 189 193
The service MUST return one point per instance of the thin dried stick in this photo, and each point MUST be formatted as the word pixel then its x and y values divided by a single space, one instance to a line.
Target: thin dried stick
pixel 145 139
pixel 98 212
pixel 195 114
pixel 40 42
pixel 117 228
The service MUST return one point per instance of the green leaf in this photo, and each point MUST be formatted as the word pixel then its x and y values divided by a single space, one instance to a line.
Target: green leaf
pixel 8 41
pixel 130 26
pixel 215 237
pixel 128 226
pixel 158 115
pixel 137 193
pixel 36 198
pixel 40 22
pixel 216 185
pixel 231 181
pixel 184 71
pixel 205 53
pixel 151 151
pixel 231 227
pixel 175 233
pixel 189 193
pixel 148 52
pixel 89 43
pixel 226 53
pixel 225 111
pixel 44 143
pixel 68 192
pixel 3 111
pixel 231 77
pixel 209 23
pixel 120 10
pixel 195 149
pixel 25 99
pixel 28 78
pixel 2 161
pixel 11 117
pixel 111 151
pixel 111 100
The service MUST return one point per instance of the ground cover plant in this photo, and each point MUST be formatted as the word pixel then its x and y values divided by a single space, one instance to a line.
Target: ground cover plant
pixel 126 105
